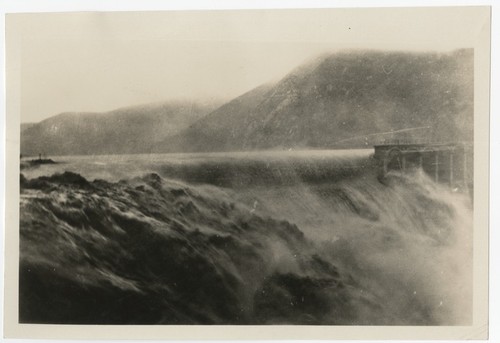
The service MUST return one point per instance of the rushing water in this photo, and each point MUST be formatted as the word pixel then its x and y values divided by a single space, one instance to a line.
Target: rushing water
pixel 307 237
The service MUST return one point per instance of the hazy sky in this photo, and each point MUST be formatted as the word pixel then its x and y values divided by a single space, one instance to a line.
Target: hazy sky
pixel 99 62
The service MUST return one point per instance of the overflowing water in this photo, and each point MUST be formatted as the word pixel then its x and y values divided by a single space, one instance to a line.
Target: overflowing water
pixel 308 237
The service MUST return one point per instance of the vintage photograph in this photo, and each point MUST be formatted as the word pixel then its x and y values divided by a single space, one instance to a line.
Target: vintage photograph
pixel 255 167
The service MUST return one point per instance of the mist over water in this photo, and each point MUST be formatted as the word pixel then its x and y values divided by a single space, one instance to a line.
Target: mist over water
pixel 406 244
pixel 254 238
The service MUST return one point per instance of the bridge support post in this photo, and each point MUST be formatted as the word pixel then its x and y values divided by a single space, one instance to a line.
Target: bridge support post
pixel 465 169
pixel 436 167
pixel 451 169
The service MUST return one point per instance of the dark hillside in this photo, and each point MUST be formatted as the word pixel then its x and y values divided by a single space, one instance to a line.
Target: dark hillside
pixel 342 100
pixel 128 130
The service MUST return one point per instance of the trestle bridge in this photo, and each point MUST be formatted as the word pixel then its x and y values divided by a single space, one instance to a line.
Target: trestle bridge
pixel 444 163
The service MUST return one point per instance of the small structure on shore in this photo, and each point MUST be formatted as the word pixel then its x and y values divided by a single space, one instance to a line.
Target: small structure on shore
pixel 41 160
pixel 35 162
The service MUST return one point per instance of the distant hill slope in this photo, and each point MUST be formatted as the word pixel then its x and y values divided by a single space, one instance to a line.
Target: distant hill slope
pixel 341 100
pixel 25 126
pixel 128 130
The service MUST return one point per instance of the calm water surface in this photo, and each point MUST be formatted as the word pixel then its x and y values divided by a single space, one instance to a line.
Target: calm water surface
pixel 217 168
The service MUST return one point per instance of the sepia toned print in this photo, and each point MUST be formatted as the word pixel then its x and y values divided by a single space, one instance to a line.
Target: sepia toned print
pixel 181 176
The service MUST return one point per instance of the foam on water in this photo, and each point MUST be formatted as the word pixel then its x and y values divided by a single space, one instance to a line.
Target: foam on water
pixel 258 239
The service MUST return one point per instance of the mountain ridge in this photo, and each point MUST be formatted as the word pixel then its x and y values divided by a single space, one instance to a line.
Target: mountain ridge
pixel 348 94
pixel 134 129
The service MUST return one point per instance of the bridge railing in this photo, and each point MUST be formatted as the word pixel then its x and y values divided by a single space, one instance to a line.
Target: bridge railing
pixel 404 141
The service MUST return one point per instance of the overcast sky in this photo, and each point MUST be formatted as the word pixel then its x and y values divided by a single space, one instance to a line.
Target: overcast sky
pixel 99 62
